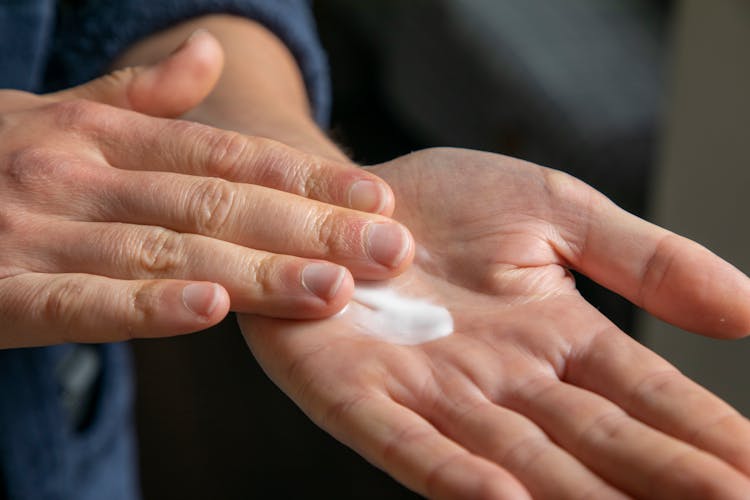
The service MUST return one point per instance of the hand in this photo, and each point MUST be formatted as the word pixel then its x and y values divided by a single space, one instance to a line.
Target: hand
pixel 536 393
pixel 116 224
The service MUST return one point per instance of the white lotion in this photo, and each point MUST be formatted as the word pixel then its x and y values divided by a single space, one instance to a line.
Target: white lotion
pixel 383 313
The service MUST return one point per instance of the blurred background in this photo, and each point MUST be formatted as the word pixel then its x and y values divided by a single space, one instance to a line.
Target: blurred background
pixel 646 100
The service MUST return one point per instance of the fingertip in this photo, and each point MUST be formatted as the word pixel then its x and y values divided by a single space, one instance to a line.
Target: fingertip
pixel 371 195
pixel 180 81
pixel 738 324
pixel 389 199
pixel 205 49
pixel 732 320
pixel 703 293
pixel 343 296
pixel 207 301
pixel 323 279
pixel 331 284
pixel 165 308
pixel 729 318
pixel 195 35
pixel 366 196
pixel 407 255
pixel 391 245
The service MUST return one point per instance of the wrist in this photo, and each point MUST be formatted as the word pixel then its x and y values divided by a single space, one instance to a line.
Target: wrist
pixel 295 129
pixel 260 92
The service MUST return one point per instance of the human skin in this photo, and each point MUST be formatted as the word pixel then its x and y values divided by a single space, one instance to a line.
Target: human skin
pixel 536 394
pixel 117 224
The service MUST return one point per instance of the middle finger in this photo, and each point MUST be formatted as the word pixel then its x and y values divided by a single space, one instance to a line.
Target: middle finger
pixel 147 143
pixel 371 246
pixel 257 281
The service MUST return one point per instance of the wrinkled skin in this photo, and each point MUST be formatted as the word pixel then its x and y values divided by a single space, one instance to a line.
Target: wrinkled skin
pixel 117 221
pixel 536 393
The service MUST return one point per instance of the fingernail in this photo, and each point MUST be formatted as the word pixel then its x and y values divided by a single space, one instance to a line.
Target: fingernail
pixel 367 196
pixel 387 243
pixel 323 280
pixel 189 39
pixel 195 34
pixel 201 298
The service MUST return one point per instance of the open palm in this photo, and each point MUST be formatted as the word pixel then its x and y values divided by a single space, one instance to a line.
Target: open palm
pixel 536 393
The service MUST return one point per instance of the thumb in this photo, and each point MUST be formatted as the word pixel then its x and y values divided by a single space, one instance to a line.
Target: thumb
pixel 168 88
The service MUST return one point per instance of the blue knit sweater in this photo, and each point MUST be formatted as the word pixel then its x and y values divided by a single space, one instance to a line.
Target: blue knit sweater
pixel 47 45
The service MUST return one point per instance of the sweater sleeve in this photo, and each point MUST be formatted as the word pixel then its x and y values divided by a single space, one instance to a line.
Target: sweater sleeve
pixel 90 34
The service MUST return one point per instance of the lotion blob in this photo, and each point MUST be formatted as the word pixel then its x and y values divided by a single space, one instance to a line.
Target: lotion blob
pixel 383 313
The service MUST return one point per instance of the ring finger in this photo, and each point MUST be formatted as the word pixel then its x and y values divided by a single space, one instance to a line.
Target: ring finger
pixel 154 144
pixel 371 246
pixel 257 281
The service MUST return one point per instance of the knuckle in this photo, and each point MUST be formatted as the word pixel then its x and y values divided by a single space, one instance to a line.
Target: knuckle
pixel 23 164
pixel 34 165
pixel 78 115
pixel 225 152
pixel 286 168
pixel 277 165
pixel 330 236
pixel 310 172
pixel 160 253
pixel 212 202
pixel 264 272
pixel 39 173
pixel 143 308
pixel 62 302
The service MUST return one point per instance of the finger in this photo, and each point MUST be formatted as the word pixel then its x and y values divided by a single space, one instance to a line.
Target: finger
pixel 651 390
pixel 520 447
pixel 627 453
pixel 43 309
pixel 672 277
pixel 169 88
pixel 372 246
pixel 416 454
pixel 257 282
pixel 203 150
pixel 144 143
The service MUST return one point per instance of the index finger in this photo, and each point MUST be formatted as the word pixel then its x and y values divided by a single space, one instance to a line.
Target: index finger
pixel 132 141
